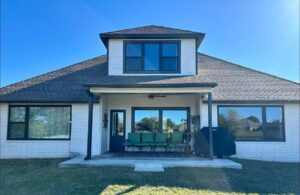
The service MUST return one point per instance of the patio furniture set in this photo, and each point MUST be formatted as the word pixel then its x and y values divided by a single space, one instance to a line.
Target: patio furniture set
pixel 168 141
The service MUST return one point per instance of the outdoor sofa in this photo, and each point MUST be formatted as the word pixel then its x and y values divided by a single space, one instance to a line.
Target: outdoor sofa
pixel 168 141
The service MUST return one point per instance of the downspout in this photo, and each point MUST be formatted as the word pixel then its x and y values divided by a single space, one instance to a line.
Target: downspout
pixel 211 153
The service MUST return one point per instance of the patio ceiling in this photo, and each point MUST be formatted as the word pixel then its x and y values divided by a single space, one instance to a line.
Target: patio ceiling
pixel 150 89
pixel 169 90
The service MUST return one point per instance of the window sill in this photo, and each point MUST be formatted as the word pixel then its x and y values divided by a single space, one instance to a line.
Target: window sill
pixel 151 72
pixel 38 139
pixel 267 141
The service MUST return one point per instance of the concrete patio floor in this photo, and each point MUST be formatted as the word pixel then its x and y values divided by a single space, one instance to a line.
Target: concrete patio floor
pixel 153 164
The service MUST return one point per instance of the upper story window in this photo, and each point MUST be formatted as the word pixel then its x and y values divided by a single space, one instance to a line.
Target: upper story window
pixel 152 57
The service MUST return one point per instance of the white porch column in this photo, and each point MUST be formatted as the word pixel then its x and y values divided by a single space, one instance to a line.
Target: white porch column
pixel 103 126
pixel 200 102
pixel 96 135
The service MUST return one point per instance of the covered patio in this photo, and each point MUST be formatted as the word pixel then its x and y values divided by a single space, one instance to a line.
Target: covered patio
pixel 150 162
pixel 127 100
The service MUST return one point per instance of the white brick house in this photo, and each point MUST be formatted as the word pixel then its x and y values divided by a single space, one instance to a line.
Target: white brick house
pixel 151 80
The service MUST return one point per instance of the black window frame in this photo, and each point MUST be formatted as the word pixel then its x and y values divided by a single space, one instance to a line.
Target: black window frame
pixel 27 123
pixel 160 71
pixel 160 119
pixel 263 112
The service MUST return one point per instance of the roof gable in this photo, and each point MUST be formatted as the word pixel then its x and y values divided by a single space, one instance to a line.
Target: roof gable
pixel 151 32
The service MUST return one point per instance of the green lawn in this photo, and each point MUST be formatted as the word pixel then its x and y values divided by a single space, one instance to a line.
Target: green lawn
pixel 44 177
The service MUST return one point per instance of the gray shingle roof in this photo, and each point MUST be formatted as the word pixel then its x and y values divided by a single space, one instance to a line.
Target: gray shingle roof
pixel 235 83
pixel 238 83
pixel 152 31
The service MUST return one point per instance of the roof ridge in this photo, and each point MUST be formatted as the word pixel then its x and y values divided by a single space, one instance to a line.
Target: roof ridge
pixel 250 69
pixel 171 28
pixel 120 30
pixel 149 26
pixel 37 77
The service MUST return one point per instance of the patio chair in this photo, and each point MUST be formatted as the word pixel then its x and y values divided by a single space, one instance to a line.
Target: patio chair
pixel 134 140
pixel 161 140
pixel 176 140
pixel 147 140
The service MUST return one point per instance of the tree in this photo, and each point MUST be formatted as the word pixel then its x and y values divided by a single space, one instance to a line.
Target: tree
pixel 170 123
pixel 253 118
pixel 148 124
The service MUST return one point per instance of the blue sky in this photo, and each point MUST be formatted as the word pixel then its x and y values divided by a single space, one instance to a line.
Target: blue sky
pixel 38 36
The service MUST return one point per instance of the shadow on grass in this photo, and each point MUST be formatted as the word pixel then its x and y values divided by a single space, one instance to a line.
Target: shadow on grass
pixel 44 176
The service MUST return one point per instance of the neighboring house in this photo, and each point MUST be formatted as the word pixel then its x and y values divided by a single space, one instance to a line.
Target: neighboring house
pixel 251 125
pixel 152 79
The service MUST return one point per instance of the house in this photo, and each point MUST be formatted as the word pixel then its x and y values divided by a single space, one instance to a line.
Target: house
pixel 152 79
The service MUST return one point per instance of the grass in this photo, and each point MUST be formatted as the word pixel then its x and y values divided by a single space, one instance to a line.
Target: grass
pixel 42 176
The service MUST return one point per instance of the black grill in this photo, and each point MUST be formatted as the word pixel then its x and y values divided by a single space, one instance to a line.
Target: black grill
pixel 223 142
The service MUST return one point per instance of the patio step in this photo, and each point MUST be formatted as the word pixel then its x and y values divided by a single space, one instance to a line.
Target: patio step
pixel 149 167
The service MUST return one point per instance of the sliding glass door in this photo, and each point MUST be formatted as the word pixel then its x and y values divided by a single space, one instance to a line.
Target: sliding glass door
pixel 165 120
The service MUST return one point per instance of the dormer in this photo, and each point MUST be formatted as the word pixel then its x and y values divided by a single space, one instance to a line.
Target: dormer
pixel 152 50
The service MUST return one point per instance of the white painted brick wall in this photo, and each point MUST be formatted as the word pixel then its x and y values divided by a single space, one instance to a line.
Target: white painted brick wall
pixel 28 149
pixel 288 151
pixel 271 151
pixel 188 57
pixel 79 128
pixel 115 57
pixel 49 148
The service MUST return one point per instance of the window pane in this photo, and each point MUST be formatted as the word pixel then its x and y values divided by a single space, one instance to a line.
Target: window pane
pixel 17 130
pixel 134 64
pixel 17 114
pixel 274 115
pixel 174 120
pixel 117 123
pixel 169 50
pixel 244 122
pixel 151 57
pixel 146 120
pixel 49 122
pixel 274 127
pixel 274 132
pixel 134 50
pixel 169 64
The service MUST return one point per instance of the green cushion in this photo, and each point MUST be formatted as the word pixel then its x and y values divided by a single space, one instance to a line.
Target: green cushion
pixel 161 138
pixel 177 137
pixel 147 137
pixel 134 137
